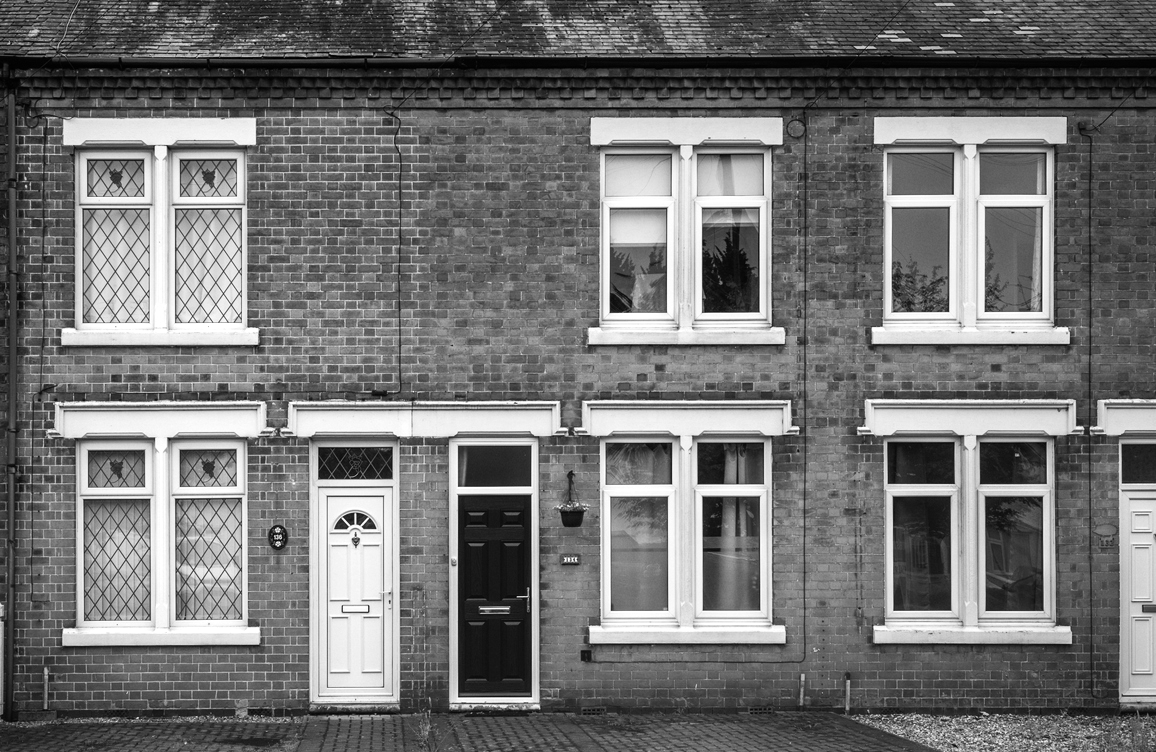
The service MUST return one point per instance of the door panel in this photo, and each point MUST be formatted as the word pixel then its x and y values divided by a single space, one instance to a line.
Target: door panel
pixel 354 593
pixel 1137 575
pixel 495 631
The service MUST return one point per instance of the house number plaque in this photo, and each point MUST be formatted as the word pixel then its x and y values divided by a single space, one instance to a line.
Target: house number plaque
pixel 278 537
pixel 571 559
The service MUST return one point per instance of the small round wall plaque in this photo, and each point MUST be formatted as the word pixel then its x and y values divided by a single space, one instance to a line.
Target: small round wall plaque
pixel 278 537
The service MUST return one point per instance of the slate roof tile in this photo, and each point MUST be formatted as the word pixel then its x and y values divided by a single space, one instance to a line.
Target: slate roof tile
pixel 434 29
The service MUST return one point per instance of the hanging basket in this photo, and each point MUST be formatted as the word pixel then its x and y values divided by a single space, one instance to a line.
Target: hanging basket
pixel 572 517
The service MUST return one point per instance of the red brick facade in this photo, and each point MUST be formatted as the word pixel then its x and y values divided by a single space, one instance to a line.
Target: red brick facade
pixel 489 297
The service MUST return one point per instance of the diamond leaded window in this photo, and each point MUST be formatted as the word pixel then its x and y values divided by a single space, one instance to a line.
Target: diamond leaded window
pixel 127 519
pixel 161 238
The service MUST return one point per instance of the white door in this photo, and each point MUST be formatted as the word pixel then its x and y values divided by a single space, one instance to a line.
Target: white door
pixel 355 597
pixel 1138 594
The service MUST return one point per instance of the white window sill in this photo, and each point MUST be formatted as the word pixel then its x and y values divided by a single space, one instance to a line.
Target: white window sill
pixel 622 635
pixel 959 635
pixel 70 337
pixel 893 335
pixel 81 637
pixel 772 335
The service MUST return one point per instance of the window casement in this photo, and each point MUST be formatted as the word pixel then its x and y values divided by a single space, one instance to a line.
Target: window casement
pixel 970 520
pixel 685 230
pixel 152 559
pixel 161 522
pixel 686 522
pixel 160 232
pixel 968 230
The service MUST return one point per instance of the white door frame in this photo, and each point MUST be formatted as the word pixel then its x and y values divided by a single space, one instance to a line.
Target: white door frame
pixel 1128 493
pixel 319 529
pixel 533 701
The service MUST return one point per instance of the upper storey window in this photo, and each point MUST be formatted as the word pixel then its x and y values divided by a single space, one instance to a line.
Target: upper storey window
pixel 160 232
pixel 968 230
pixel 685 224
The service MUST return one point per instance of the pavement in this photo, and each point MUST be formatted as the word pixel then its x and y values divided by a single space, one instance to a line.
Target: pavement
pixel 811 731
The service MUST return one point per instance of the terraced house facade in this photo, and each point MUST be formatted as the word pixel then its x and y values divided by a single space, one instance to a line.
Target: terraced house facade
pixel 834 320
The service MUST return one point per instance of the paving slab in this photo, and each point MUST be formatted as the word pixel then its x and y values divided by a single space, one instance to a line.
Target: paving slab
pixel 811 731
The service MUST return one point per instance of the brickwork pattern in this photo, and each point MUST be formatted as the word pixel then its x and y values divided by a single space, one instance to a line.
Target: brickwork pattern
pixel 496 280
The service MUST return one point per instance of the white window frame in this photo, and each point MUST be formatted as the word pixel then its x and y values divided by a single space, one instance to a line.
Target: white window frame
pixel 686 425
pixel 684 139
pixel 162 430
pixel 178 492
pixel 161 143
pixel 966 138
pixel 969 424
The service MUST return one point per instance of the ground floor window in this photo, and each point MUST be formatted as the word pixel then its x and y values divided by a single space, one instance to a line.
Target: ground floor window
pixel 686 520
pixel 969 507
pixel 161 522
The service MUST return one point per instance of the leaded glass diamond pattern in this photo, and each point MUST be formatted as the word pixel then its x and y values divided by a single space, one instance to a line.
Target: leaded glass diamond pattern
pixel 116 178
pixel 116 266
pixel 208 177
pixel 208 268
pixel 208 468
pixel 119 469
pixel 117 561
pixel 354 463
pixel 208 559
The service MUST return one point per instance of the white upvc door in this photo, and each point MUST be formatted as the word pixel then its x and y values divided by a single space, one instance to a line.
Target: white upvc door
pixel 354 609
pixel 1138 596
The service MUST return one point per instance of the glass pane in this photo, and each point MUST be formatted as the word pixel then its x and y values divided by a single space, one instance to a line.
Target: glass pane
pixel 208 468
pixel 116 178
pixel 116 469
pixel 639 541
pixel 117 561
pixel 638 174
pixel 730 463
pixel 730 175
pixel 921 174
pixel 638 464
pixel 1138 463
pixel 354 463
pixel 208 275
pixel 495 465
pixel 208 559
pixel 921 541
pixel 920 259
pixel 731 570
pixel 1003 174
pixel 921 462
pixel 1013 259
pixel 730 260
pixel 638 261
pixel 209 177
pixel 116 266
pixel 1013 462
pixel 1015 553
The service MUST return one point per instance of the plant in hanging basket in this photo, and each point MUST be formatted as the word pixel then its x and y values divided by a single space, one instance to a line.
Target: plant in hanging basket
pixel 572 512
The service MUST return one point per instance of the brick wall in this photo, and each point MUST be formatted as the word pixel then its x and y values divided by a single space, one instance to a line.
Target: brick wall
pixel 496 280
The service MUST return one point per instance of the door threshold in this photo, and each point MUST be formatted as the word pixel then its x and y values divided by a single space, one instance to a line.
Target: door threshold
pixel 354 708
pixel 502 706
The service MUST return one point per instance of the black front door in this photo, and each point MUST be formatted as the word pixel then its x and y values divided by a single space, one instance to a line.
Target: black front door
pixel 494 586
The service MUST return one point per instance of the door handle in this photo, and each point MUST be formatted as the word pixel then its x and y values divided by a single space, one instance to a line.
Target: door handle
pixel 388 595
pixel 525 598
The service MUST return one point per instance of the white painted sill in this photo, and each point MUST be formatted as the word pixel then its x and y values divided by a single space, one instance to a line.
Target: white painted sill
pixel 769 635
pixel 772 335
pixel 82 637
pixel 70 337
pixel 960 635
pixel 892 335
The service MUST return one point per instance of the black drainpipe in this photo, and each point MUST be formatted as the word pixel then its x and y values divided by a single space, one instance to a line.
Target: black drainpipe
pixel 10 443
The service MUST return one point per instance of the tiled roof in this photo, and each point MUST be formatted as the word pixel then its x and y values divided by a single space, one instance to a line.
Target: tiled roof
pixel 400 29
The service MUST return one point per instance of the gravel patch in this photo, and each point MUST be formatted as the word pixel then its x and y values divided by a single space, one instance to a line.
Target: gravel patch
pixel 1022 733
